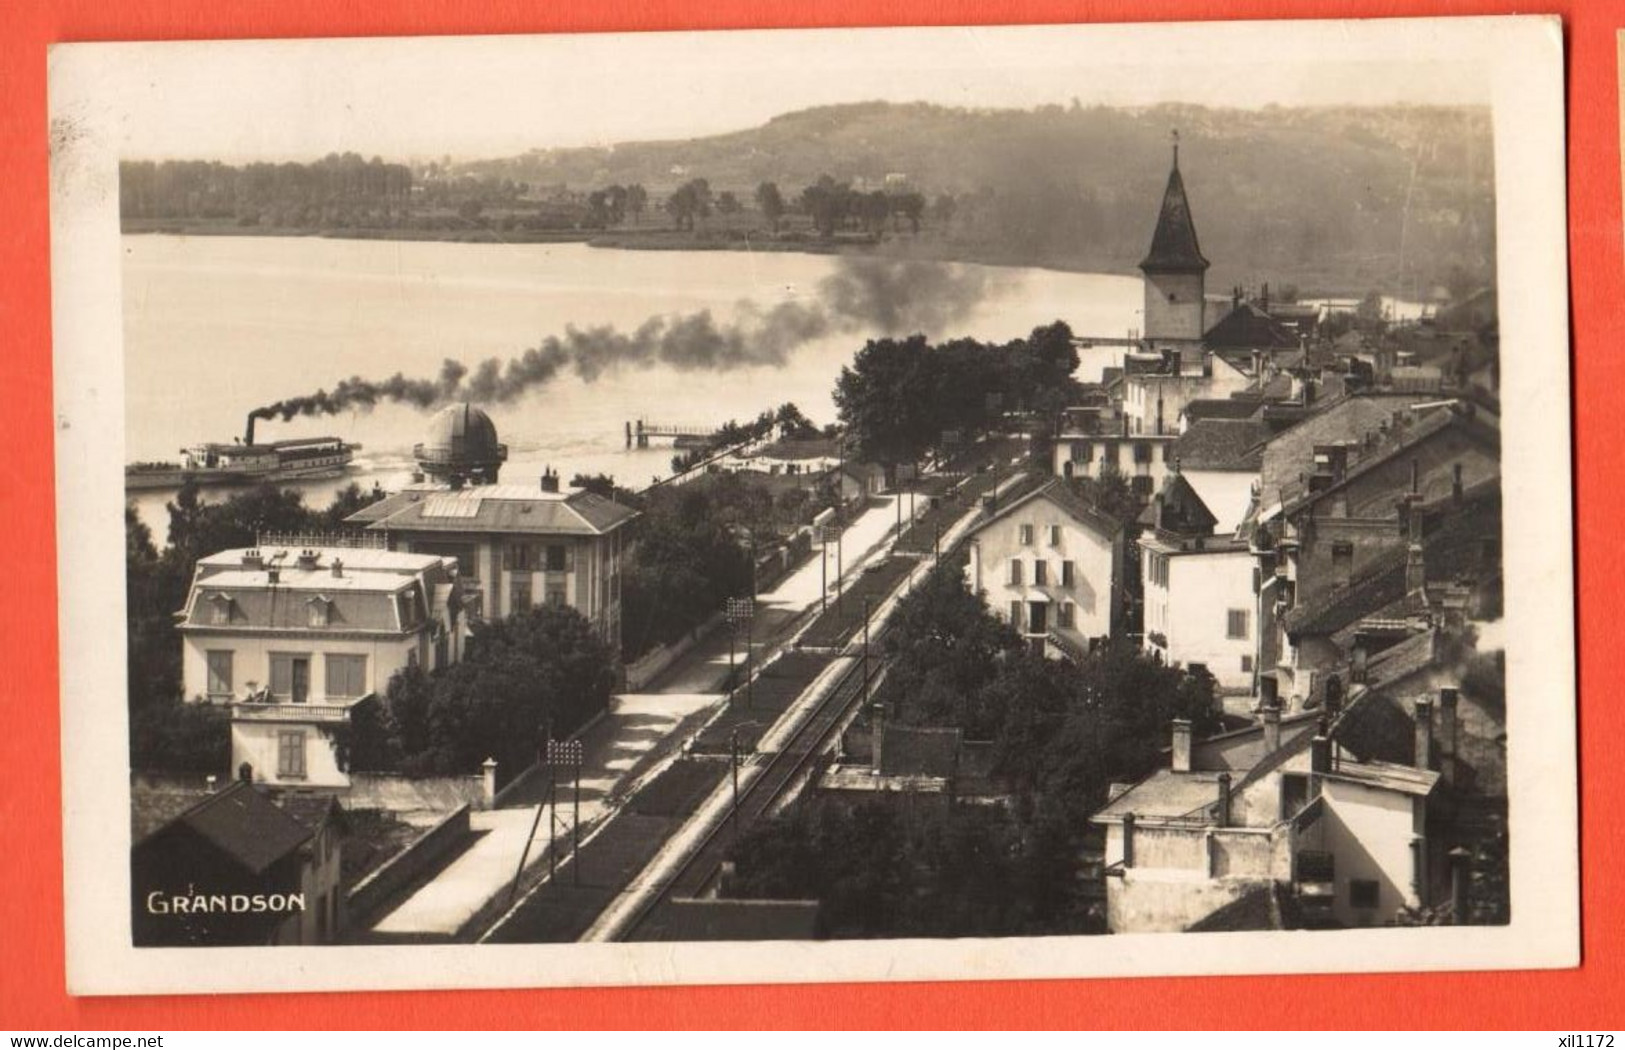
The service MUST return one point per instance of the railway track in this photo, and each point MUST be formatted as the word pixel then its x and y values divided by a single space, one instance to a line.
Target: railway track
pixel 781 772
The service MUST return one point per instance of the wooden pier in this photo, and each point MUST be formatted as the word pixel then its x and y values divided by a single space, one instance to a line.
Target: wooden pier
pixel 638 432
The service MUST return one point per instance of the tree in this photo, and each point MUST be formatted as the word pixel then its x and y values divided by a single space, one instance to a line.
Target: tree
pixel 910 206
pixel 826 202
pixel 637 200
pixel 690 201
pixel 727 203
pixel 539 669
pixel 879 399
pixel 771 202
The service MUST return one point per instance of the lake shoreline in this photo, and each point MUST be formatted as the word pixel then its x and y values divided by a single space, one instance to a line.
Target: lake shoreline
pixel 667 240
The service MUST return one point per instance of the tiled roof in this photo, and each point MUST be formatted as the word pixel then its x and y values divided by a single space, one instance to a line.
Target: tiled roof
pixel 245 825
pixel 1248 327
pixel 514 509
pixel 1064 494
pixel 1174 248
pixel 1223 444
pixel 1452 545
pixel 283 608
pixel 310 809
pixel 1391 775
pixel 1339 419
pixel 1183 511
pixel 1221 408
pixel 1397 441
pixel 1165 794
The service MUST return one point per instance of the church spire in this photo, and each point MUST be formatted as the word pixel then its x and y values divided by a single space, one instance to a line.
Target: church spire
pixel 1174 248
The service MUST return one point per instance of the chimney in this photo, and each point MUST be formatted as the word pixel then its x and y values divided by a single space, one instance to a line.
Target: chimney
pixel 1416 576
pixel 550 480
pixel 1416 476
pixel 273 576
pixel 1159 410
pixel 1320 753
pixel 1156 511
pixel 210 783
pixel 1455 482
pixel 455 481
pixel 252 559
pixel 1264 300
pixel 1128 840
pixel 245 773
pixel 1272 728
pixel 307 559
pixel 1424 732
pixel 338 568
pixel 1224 800
pixel 1181 761
pixel 1448 697
pixel 248 434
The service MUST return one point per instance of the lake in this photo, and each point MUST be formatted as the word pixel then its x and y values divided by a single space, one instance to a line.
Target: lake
pixel 214 326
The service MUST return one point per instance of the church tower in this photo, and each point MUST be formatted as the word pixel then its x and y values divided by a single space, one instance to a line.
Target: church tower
pixel 1174 270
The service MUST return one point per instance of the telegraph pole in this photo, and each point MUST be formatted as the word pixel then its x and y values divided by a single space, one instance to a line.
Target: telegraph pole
pixel 866 599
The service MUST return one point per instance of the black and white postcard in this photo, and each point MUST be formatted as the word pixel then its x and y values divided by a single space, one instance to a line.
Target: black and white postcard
pixel 814 505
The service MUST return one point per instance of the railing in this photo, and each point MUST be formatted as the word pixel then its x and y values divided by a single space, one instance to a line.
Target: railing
pixel 281 711
pixel 308 540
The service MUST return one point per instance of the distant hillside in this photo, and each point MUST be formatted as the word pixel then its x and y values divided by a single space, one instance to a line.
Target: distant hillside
pixel 1341 199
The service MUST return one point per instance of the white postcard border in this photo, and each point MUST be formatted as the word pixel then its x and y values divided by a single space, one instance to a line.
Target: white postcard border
pixel 1525 63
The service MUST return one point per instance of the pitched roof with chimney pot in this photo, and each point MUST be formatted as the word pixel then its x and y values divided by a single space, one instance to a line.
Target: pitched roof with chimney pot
pixel 1174 248
pixel 1453 544
pixel 1399 440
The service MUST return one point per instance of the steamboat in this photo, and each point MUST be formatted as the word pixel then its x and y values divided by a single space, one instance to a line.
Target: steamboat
pixel 243 462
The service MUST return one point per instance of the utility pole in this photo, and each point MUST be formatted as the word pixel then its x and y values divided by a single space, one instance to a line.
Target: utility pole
pixel 733 767
pixel 866 599
pixel 823 570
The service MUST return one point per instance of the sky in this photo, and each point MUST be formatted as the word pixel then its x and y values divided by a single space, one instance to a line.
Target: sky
pixel 490 96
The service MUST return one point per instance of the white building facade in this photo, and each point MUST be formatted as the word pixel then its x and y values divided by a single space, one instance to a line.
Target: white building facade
pixel 1050 565
pixel 293 639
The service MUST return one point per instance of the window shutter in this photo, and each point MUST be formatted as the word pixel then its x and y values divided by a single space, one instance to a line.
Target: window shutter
pixel 281 675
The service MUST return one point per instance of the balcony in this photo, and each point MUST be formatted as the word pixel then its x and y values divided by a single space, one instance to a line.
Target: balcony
pixel 327 713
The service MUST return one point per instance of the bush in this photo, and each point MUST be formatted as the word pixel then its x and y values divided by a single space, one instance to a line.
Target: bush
pixel 179 737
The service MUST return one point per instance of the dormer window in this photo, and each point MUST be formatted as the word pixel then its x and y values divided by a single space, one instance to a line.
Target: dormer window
pixel 219 609
pixel 318 611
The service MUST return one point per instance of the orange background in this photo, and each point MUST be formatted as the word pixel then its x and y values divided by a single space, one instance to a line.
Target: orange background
pixel 32 980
